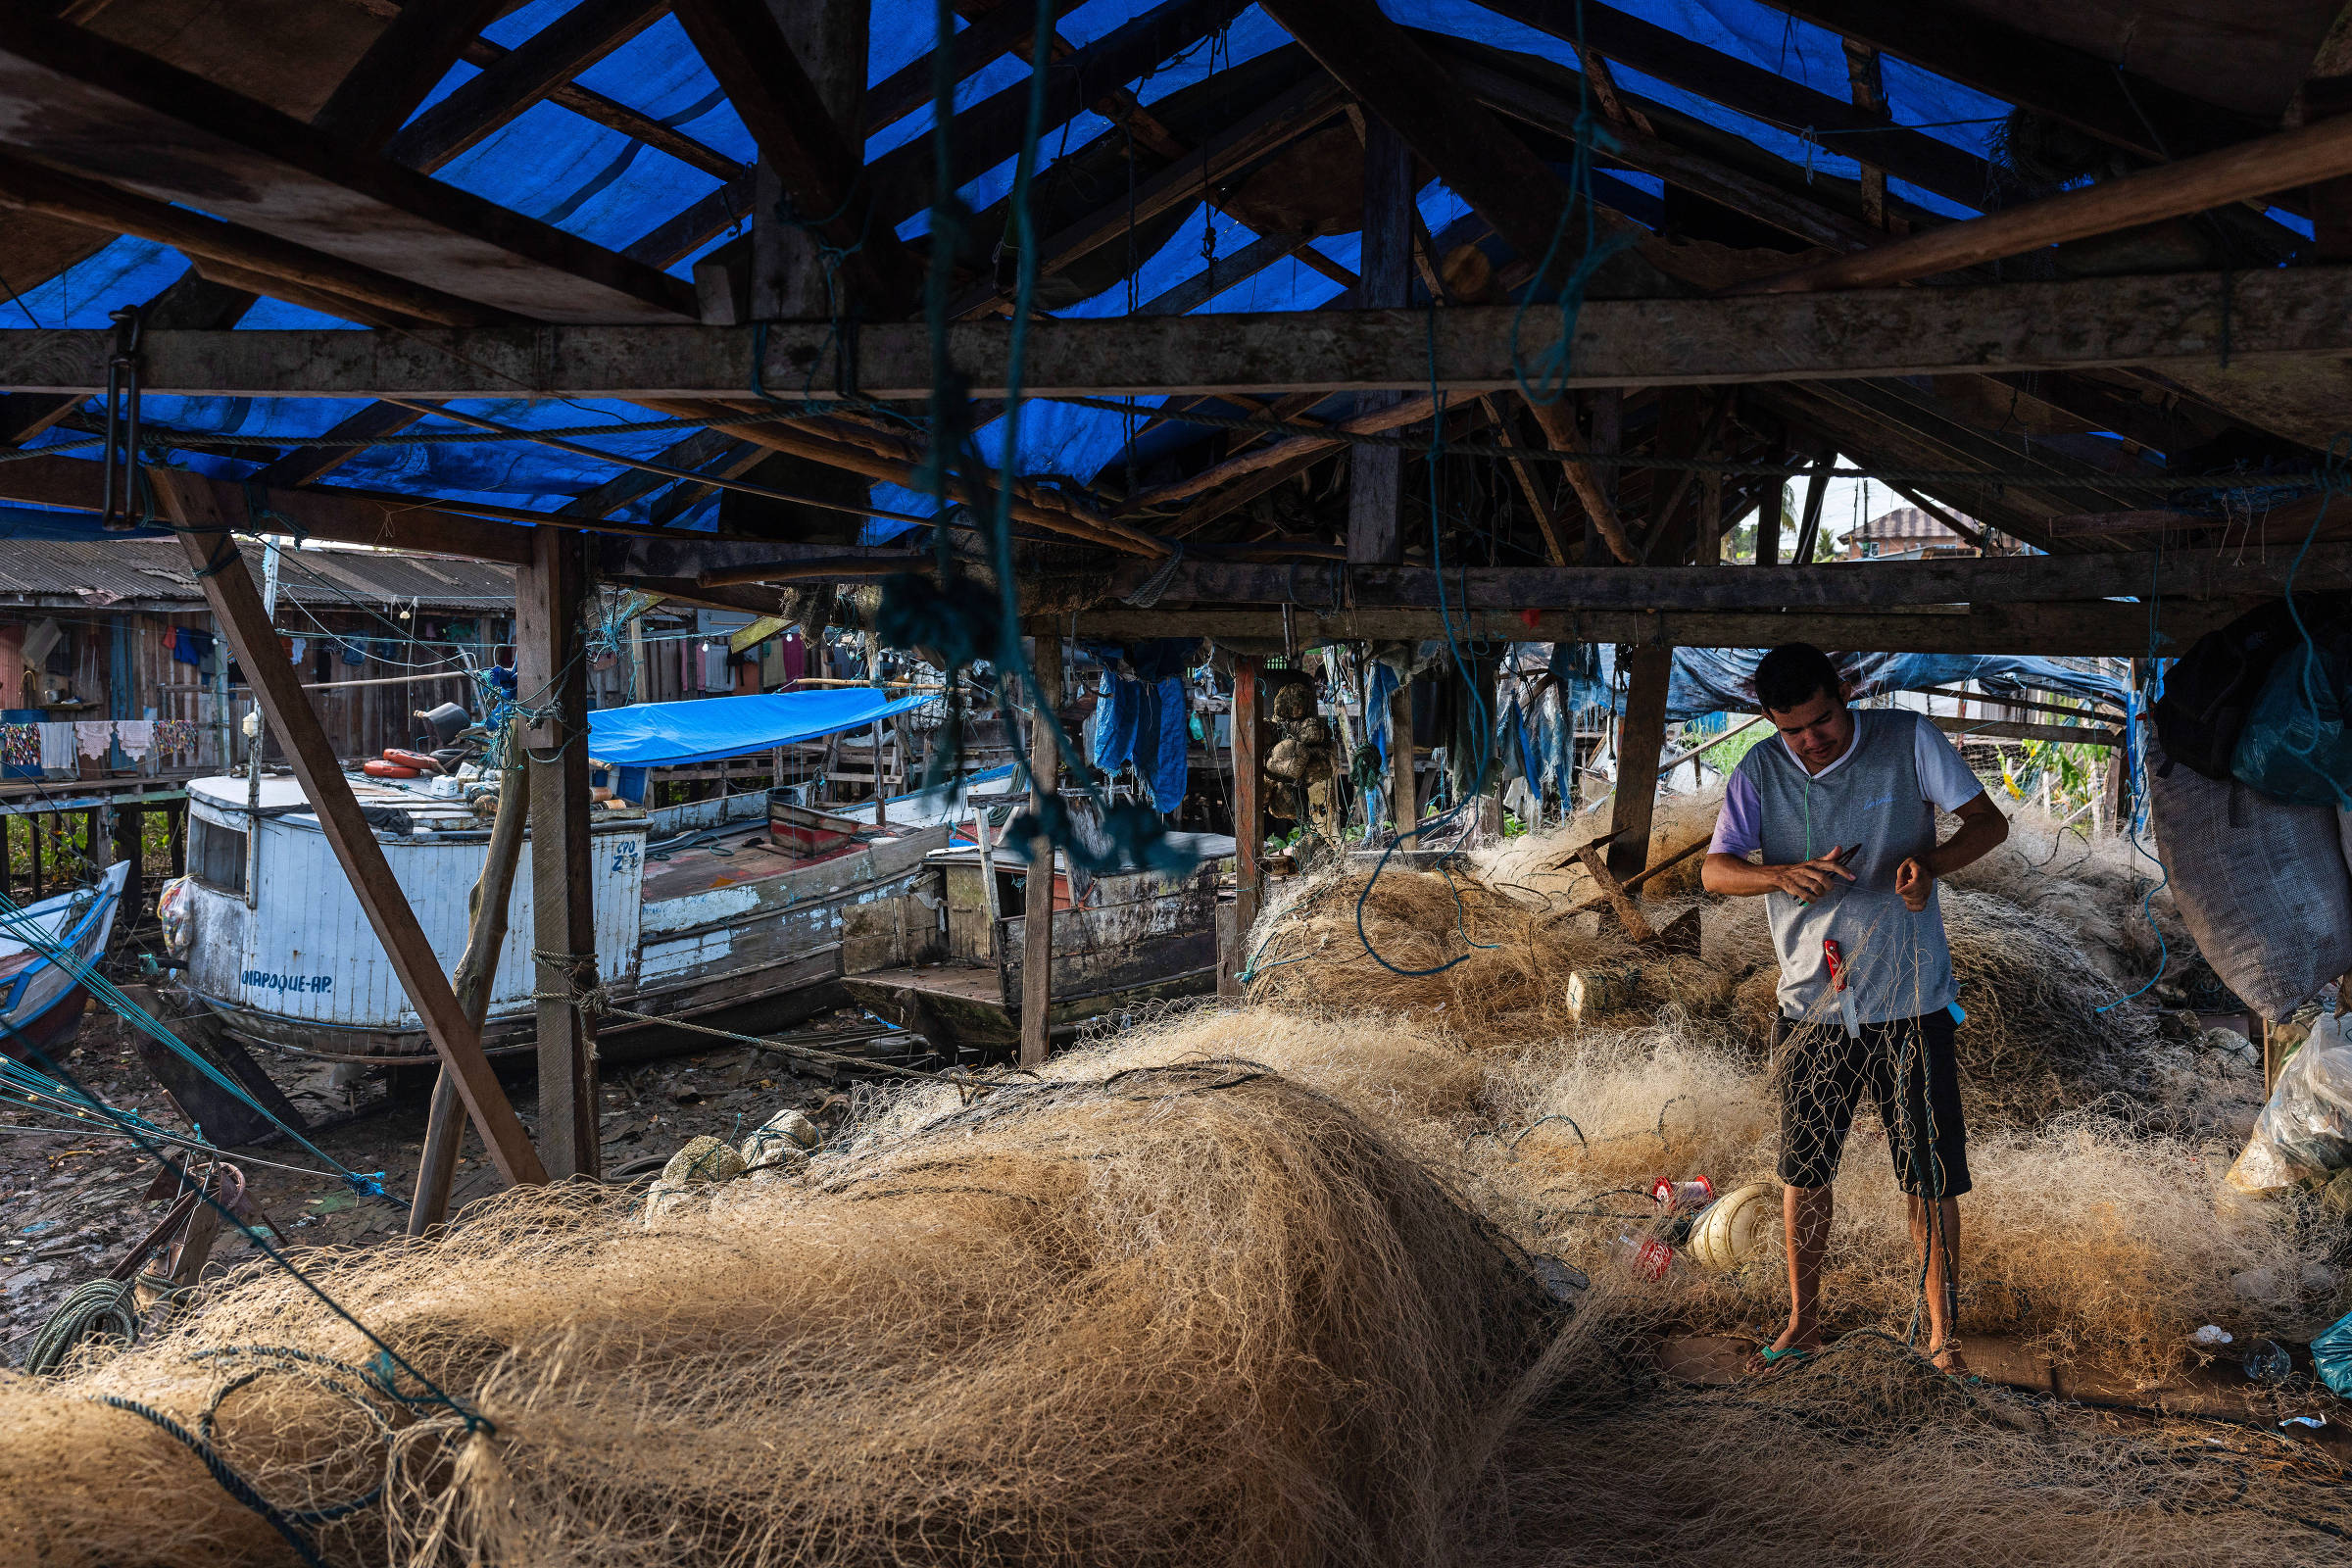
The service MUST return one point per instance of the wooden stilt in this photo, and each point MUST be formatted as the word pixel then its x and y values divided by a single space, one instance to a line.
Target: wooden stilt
pixel 1037 911
pixel 1404 802
pixel 1249 816
pixel 486 941
pixel 236 601
pixel 1641 742
pixel 551 597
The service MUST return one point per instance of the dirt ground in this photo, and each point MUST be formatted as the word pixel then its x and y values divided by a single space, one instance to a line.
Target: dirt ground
pixel 74 1201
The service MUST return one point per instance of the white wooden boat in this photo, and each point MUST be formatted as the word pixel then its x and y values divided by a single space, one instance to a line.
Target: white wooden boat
pixel 694 913
pixel 695 909
pixel 42 1002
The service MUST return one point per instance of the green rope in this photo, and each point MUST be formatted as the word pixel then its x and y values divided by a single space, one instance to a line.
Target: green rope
pixel 101 1306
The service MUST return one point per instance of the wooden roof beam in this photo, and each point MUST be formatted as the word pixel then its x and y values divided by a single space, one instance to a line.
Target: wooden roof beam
pixel 2096 627
pixel 2079 89
pixel 524 74
pixel 405 64
pixel 108 112
pixel 1859 334
pixel 2290 160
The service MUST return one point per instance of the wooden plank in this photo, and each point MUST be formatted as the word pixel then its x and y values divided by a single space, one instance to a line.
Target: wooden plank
pixel 527 74
pixel 2288 160
pixel 905 90
pixel 192 302
pixel 106 112
pixel 2096 627
pixel 357 293
pixel 390 523
pixel 2275 315
pixel 1045 770
pixel 236 605
pixel 401 69
pixel 1640 741
pixel 552 679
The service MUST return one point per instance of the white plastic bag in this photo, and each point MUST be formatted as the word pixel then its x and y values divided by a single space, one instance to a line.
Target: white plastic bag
pixel 2306 1130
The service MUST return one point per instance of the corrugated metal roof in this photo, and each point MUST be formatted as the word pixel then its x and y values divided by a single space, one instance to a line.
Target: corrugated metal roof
pixel 148 571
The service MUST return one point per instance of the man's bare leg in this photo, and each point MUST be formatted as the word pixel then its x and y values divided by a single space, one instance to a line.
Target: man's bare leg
pixel 1805 1213
pixel 1942 1261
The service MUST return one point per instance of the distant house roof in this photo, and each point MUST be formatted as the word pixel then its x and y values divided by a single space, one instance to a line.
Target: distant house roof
pixel 153 575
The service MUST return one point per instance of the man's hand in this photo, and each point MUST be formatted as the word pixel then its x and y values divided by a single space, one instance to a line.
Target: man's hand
pixel 1915 881
pixel 1807 880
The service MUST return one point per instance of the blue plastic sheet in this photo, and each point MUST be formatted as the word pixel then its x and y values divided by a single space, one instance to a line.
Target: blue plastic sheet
pixel 1148 723
pixel 1707 680
pixel 587 179
pixel 666 734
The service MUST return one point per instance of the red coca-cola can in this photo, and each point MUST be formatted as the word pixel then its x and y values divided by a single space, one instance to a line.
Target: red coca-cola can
pixel 1681 1197
pixel 1651 1259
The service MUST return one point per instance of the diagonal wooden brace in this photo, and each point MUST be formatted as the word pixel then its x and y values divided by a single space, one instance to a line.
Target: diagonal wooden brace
pixel 228 587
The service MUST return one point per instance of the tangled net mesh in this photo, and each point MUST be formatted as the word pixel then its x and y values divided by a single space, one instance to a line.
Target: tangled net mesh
pixel 1266 1285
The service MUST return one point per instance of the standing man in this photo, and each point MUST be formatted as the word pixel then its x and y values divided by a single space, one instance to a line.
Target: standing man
pixel 1842 807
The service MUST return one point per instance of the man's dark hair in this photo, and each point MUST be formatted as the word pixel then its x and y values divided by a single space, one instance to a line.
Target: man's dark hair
pixel 1790 677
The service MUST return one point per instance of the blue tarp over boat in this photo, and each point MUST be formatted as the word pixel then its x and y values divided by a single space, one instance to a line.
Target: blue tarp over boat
pixel 666 734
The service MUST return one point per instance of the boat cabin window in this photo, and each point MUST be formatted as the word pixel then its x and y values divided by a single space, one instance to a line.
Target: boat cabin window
pixel 217 855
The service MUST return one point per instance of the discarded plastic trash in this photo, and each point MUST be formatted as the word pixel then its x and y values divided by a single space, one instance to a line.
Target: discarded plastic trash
pixel 2267 1362
pixel 2211 1334
pixel 2331 1354
pixel 1651 1258
pixel 1681 1197
pixel 2304 1421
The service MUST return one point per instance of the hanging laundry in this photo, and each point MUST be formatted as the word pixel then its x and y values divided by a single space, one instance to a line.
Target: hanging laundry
pixel 296 647
pixel 94 737
pixel 176 736
pixel 57 747
pixel 136 737
pixel 20 744
pixel 189 645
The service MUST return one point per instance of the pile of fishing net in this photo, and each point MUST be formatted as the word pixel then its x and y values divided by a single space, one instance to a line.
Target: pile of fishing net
pixel 1242 1286
pixel 2086 1238
pixel 1188 1314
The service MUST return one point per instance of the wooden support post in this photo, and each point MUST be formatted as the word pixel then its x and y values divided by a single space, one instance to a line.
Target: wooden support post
pixel 1249 813
pixel 236 605
pixel 1376 475
pixel 788 276
pixel 1869 88
pixel 1639 743
pixel 1808 528
pixel 1037 909
pixel 1404 795
pixel 1604 414
pixel 882 794
pixel 551 597
pixel 1709 548
pixel 1768 526
pixel 486 941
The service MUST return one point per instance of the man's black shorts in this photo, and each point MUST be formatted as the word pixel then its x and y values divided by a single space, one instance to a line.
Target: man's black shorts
pixel 1822 1073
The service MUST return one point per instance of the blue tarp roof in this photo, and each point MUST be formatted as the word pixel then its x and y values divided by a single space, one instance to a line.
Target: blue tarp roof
pixel 558 166
pixel 667 734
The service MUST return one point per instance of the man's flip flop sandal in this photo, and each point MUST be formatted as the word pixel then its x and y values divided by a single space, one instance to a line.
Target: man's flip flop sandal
pixel 1772 1358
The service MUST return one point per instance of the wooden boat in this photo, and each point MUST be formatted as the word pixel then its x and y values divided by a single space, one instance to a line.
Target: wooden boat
pixel 1133 938
pixel 41 1002
pixel 699 909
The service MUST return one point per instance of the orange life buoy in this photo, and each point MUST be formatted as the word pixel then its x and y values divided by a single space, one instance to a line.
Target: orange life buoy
pixel 387 770
pixel 412 760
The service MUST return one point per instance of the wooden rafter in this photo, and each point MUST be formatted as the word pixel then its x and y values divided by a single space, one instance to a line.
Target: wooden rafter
pixel 110 114
pixel 520 78
pixel 406 61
